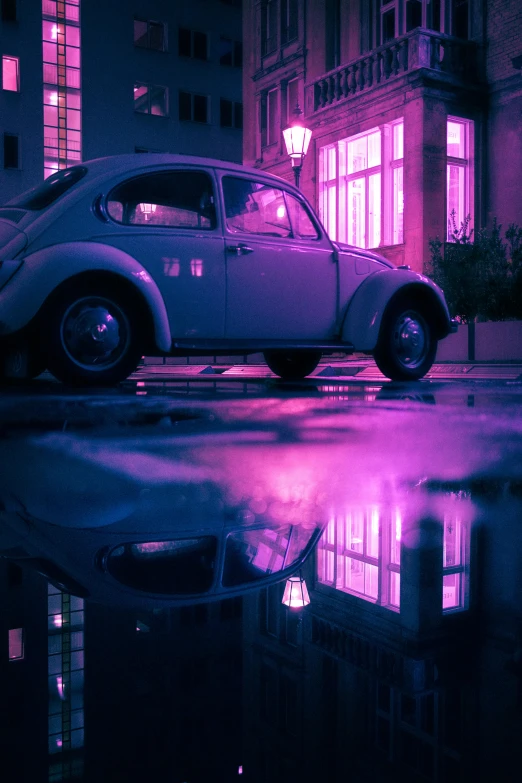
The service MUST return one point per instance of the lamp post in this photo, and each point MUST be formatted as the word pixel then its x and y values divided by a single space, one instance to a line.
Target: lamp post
pixel 297 138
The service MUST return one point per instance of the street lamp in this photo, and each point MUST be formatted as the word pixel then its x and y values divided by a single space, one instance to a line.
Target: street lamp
pixel 296 594
pixel 297 138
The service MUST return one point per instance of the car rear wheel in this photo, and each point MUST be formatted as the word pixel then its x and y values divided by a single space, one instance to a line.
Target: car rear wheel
pixel 93 337
pixel 407 346
pixel 294 365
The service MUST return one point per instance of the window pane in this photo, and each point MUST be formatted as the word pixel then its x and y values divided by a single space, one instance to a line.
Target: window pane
pixel 272 117
pixel 356 213
pixel 225 111
pixel 302 225
pixel 372 533
pixel 451 591
pixel 157 36
pixel 238 115
pixel 185 103
pixel 413 14
pixel 140 32
pixel 184 38
pixel 292 98
pixel 10 77
pixel 357 155
pixel 398 206
pixel 388 26
pixel 456 139
pixel 141 98
pixel 395 554
pixel 254 208
pixel 455 196
pixel 374 149
pixel 452 542
pixel 200 108
pixel 374 210
pixel 225 51
pixel 398 141
pixel 16 644
pixel 200 46
pixel 158 101
pixel 371 580
pixel 395 589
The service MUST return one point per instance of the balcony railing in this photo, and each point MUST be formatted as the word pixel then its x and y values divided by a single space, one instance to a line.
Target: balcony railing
pixel 419 49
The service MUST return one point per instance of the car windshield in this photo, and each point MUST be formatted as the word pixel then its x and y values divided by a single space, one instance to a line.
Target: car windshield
pixel 179 567
pixel 50 190
pixel 253 554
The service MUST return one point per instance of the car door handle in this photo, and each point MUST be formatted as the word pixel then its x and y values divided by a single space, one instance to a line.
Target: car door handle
pixel 240 249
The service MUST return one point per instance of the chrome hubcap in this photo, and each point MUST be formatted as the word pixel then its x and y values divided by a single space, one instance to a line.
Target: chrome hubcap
pixel 95 333
pixel 410 339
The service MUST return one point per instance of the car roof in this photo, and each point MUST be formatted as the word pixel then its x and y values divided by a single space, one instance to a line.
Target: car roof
pixel 120 163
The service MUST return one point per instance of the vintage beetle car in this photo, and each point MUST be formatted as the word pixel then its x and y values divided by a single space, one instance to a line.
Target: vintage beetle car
pixel 176 255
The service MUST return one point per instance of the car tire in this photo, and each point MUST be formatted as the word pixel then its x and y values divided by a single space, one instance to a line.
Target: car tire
pixel 294 365
pixel 92 336
pixel 406 347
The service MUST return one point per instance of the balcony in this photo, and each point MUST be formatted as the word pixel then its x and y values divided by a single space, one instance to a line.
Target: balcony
pixel 455 58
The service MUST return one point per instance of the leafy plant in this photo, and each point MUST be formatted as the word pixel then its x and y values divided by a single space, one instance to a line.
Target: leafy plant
pixel 481 275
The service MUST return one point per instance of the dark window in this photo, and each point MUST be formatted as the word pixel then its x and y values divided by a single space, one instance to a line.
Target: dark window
pixel 460 18
pixel 388 26
pixel 150 35
pixel 8 10
pixel 230 52
pixel 14 575
pixel 166 567
pixel 192 44
pixel 288 20
pixel 413 14
pixel 11 151
pixel 231 114
pixel 54 186
pixel 180 199
pixel 268 26
pixel 193 107
pixel 333 34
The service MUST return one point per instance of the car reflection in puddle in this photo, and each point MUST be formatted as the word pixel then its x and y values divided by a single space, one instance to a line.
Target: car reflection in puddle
pixel 407 531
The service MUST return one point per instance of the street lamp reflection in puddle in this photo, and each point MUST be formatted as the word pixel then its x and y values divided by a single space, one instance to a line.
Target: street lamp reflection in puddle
pixel 296 594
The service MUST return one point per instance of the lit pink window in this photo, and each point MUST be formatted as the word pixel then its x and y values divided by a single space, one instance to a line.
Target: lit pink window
pixel 16 644
pixel 10 73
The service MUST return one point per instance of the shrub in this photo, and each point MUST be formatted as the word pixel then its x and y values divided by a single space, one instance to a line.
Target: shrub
pixel 480 278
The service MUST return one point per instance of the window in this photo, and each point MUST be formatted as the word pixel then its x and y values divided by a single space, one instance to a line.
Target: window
pixel 459 193
pixel 150 35
pixel 230 113
pixel 268 26
pixel 181 199
pixel 360 553
pixel 288 20
pixel 193 108
pixel 460 18
pixel 413 14
pixel 353 204
pixel 230 52
pixel 151 99
pixel 192 44
pixel 292 99
pixel 255 208
pixel 388 21
pixel 11 151
pixel 269 116
pixel 332 51
pixel 16 644
pixel 10 73
pixel 8 10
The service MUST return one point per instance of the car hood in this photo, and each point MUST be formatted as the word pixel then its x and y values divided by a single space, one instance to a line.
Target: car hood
pixel 369 254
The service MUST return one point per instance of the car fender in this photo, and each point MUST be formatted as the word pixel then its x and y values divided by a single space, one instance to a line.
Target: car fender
pixel 365 310
pixel 44 270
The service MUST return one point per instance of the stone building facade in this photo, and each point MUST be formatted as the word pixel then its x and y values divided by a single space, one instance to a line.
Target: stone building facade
pixel 414 107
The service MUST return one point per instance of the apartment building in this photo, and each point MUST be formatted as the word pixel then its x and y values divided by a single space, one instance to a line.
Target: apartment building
pixel 414 107
pixel 80 82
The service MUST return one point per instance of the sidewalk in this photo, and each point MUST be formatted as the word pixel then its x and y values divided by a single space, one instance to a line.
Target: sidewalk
pixel 359 367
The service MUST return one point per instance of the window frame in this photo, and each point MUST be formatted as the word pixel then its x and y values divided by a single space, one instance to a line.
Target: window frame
pixel 149 87
pixel 194 95
pixel 147 45
pixel 10 58
pixel 192 34
pixel 467 165
pixel 236 113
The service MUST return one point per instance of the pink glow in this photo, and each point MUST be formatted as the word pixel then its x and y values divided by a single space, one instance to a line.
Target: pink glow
pixel 60 687
pixel 16 644
pixel 296 594
pixel 240 769
pixel 10 79
pixel 59 742
pixel 57 620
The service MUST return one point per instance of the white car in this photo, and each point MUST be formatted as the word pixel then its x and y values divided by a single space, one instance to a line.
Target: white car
pixel 175 255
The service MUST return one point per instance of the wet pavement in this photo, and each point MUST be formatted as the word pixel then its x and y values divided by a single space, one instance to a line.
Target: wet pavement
pixel 147 534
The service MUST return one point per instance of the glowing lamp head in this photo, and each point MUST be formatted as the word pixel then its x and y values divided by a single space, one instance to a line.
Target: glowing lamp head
pixel 297 139
pixel 296 594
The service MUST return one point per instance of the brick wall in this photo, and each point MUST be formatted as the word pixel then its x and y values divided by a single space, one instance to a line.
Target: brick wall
pixel 504 37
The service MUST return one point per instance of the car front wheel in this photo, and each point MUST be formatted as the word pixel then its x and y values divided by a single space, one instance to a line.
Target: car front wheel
pixel 294 365
pixel 92 337
pixel 407 346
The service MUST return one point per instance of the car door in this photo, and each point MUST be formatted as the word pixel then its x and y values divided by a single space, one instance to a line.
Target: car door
pixel 167 221
pixel 280 268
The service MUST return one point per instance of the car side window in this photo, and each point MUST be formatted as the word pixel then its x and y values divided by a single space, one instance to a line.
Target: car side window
pixel 176 199
pixel 255 208
pixel 302 224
